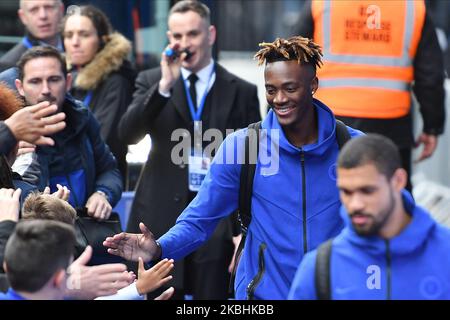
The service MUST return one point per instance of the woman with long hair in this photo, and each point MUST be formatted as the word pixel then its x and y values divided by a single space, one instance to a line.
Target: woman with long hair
pixel 103 77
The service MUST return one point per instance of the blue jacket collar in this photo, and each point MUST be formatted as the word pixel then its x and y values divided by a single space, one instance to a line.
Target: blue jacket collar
pixel 410 239
pixel 13 295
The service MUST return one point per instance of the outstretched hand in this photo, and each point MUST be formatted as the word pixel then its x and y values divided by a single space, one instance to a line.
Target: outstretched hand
pixel 35 123
pixel 62 193
pixel 10 204
pixel 153 278
pixel 131 246
pixel 88 282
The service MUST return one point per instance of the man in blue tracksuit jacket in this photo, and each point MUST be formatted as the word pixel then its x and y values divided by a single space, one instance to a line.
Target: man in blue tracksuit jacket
pixel 295 202
pixel 391 248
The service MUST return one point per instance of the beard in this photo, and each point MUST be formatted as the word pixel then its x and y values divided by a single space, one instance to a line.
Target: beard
pixel 48 98
pixel 375 221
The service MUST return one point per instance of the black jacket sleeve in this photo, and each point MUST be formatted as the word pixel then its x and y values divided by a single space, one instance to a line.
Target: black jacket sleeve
pixel 6 229
pixel 429 80
pixel 146 105
pixel 112 103
pixel 7 139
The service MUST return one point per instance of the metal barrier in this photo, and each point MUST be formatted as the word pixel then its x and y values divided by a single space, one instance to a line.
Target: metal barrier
pixel 434 197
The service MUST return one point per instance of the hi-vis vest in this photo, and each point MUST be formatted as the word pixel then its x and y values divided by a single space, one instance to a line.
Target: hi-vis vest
pixel 368 51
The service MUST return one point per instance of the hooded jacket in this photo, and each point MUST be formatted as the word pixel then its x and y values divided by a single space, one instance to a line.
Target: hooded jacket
pixel 412 265
pixel 109 80
pixel 11 294
pixel 295 205
pixel 80 159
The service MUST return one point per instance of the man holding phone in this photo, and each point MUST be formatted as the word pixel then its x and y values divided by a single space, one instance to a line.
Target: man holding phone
pixel 189 91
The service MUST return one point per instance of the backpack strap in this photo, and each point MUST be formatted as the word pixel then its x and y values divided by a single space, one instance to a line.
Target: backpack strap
pixel 247 176
pixel 248 169
pixel 322 271
pixel 342 133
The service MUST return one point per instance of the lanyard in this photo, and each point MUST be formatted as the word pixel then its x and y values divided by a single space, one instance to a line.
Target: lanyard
pixel 88 98
pixel 196 116
pixel 27 43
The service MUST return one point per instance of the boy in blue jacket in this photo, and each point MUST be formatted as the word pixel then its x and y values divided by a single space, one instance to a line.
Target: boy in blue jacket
pixel 391 248
pixel 36 258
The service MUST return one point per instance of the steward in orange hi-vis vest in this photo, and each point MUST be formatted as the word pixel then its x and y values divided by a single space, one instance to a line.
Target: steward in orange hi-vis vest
pixel 369 54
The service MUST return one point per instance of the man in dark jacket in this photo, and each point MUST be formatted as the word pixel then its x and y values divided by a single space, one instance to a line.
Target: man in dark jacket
pixel 79 159
pixel 41 19
pixel 391 248
pixel 164 102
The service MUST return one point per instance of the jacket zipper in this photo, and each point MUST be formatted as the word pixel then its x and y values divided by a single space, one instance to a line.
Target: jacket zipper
pixel 388 271
pixel 261 269
pixel 302 161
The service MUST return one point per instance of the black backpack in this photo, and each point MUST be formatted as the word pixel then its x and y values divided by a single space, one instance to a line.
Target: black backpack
pixel 246 188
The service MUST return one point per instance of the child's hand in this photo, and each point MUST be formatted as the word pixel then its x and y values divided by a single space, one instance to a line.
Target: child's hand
pixel 153 278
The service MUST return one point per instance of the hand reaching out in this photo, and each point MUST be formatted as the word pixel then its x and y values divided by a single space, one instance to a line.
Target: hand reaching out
pixel 131 246
pixel 153 278
pixel 9 204
pixel 88 282
pixel 62 193
pixel 33 124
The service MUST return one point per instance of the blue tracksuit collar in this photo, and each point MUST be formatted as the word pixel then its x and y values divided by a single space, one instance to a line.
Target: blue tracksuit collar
pixel 411 238
pixel 326 131
pixel 13 295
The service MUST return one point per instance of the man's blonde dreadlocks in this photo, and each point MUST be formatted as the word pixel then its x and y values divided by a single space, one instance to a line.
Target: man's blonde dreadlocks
pixel 303 50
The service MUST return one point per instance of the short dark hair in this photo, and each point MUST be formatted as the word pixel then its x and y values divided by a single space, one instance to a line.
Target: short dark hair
pixel 41 52
pixel 371 149
pixel 98 18
pixel 304 50
pixel 48 207
pixel 192 5
pixel 35 251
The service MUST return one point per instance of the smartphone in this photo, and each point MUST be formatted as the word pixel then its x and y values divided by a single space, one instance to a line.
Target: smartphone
pixel 173 54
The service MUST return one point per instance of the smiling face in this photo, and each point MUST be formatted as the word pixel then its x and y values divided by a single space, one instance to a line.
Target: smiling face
pixel 42 18
pixel 80 40
pixel 289 88
pixel 190 31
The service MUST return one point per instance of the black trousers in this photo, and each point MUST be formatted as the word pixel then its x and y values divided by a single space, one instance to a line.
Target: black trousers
pixel 405 153
pixel 206 279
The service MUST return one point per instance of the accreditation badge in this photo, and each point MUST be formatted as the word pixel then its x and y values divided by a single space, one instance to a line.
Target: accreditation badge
pixel 198 167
